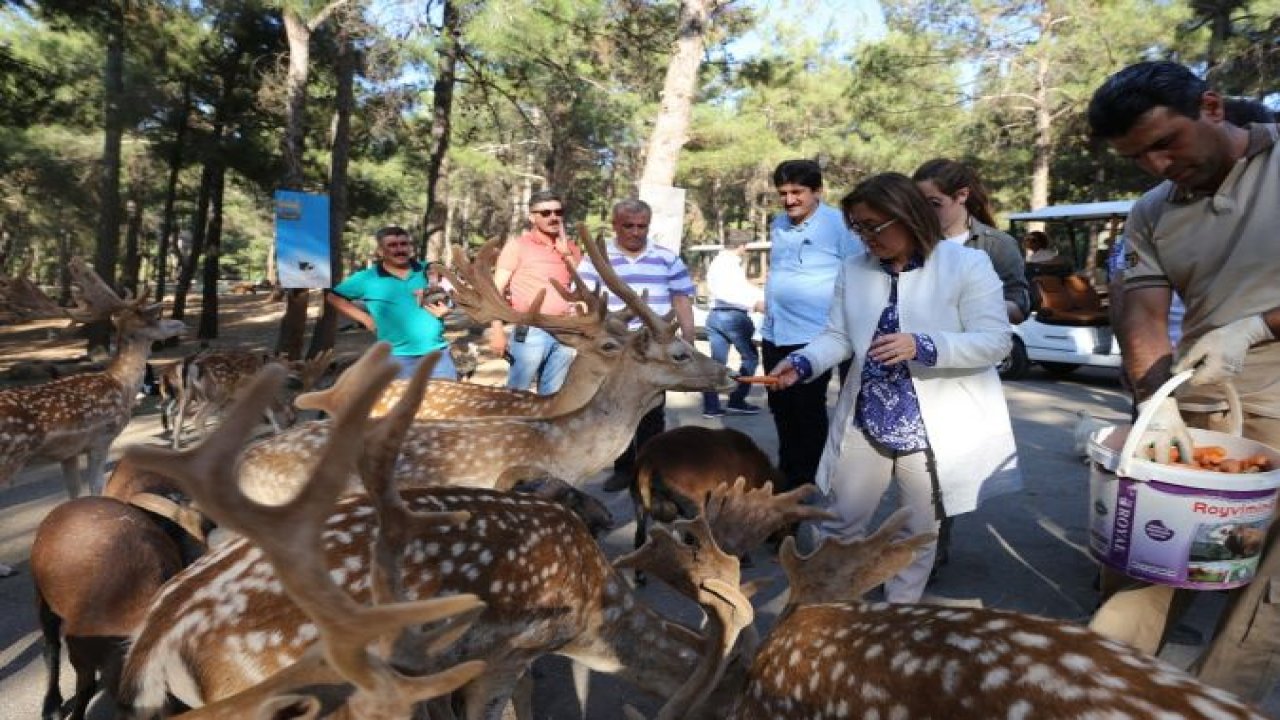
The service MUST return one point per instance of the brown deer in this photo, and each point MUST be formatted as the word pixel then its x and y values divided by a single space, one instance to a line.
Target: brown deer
pixel 597 336
pixel 366 626
pixel 676 470
pixel 81 415
pixel 547 587
pixel 496 452
pixel 210 381
pixel 97 563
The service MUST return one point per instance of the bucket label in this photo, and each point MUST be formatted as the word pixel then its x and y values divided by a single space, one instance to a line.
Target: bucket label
pixel 1176 535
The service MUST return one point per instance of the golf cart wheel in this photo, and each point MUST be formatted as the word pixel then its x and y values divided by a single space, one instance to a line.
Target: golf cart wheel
pixel 1015 364
pixel 1058 369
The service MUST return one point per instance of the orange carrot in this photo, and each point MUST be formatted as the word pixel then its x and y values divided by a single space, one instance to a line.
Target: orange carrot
pixel 766 380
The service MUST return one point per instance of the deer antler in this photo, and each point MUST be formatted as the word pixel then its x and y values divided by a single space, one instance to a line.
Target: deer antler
pixel 310 371
pixel 600 261
pixel 741 519
pixel 687 558
pixel 290 535
pixel 347 384
pixel 844 570
pixel 474 290
pixel 95 300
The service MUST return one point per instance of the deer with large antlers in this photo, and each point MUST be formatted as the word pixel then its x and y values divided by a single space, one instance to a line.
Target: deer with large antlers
pixel 546 585
pixel 81 415
pixel 371 661
pixel 595 335
pixel 496 452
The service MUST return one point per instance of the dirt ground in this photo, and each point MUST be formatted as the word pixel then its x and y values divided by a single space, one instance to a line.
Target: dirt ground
pixel 246 322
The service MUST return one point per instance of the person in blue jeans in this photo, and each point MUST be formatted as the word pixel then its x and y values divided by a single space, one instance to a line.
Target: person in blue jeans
pixel 729 323
pixel 392 291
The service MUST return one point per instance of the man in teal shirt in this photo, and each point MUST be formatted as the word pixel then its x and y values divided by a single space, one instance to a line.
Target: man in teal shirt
pixel 392 291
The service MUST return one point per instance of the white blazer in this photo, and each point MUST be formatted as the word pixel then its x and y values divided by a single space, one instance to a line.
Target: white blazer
pixel 957 300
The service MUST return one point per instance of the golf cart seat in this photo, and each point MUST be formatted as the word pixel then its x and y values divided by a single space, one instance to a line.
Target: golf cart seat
pixel 1069 301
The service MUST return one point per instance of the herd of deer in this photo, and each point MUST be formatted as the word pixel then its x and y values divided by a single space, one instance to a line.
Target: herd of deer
pixel 376 564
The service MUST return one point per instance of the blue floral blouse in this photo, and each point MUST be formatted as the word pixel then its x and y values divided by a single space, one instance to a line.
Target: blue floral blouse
pixel 888 409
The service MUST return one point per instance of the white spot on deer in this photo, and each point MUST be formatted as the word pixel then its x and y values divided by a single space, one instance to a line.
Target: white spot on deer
pixel 995 678
pixel 874 651
pixel 1030 639
pixel 1020 710
pixel 446 567
pixel 898 712
pixel 1077 663
pixel 951 676
pixel 963 642
pixel 997 625
pixel 874 693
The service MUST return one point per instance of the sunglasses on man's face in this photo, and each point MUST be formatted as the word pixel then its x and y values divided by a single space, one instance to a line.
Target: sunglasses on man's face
pixel 558 212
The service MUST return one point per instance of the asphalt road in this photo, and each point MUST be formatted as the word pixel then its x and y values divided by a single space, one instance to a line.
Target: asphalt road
pixel 1025 552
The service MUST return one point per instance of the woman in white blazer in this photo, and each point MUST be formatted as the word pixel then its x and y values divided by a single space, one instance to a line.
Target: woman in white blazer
pixel 925 323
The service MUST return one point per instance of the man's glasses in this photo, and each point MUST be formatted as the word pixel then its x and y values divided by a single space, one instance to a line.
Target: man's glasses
pixel 865 231
pixel 558 212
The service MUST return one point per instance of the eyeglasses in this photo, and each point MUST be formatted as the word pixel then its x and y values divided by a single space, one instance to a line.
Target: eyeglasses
pixel 558 212
pixel 871 231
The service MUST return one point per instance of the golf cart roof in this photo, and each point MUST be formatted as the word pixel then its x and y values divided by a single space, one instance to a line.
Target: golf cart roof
pixel 1082 211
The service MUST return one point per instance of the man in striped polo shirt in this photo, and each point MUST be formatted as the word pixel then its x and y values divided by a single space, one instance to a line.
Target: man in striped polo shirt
pixel 646 267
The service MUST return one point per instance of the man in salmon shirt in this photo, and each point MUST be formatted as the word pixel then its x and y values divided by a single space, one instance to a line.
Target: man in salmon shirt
pixel 527 264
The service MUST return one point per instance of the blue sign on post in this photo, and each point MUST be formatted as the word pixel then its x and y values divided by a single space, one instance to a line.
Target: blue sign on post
pixel 302 239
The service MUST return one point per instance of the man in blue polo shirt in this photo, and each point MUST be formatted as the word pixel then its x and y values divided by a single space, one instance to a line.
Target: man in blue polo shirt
pixel 392 291
pixel 809 243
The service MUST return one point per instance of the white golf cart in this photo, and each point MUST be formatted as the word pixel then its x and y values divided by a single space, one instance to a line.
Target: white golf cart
pixel 1070 326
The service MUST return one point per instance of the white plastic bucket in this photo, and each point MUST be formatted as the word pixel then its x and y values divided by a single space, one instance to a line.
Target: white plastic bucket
pixel 1179 526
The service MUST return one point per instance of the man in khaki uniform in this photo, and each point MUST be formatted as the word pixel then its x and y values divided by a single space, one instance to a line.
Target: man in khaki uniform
pixel 1208 232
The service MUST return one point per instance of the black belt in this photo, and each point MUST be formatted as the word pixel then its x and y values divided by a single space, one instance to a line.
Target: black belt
pixel 727 309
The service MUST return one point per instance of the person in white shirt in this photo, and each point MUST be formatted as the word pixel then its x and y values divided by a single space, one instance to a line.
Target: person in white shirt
pixel 733 296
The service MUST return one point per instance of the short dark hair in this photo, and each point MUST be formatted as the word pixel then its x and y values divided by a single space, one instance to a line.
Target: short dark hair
pixel 799 172
pixel 544 196
pixel 897 196
pixel 737 240
pixel 390 230
pixel 1132 92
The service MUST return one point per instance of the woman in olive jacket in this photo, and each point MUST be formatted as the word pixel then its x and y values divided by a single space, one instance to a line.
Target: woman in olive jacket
pixel 963 207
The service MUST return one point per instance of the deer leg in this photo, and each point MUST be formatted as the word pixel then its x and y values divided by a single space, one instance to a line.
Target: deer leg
pixel 71 476
pixel 95 470
pixel 51 629
pixel 84 660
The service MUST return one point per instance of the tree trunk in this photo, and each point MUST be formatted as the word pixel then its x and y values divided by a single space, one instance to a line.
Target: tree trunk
pixel 171 191
pixel 323 336
pixel 671 128
pixel 191 261
pixel 433 224
pixel 1042 150
pixel 293 325
pixel 64 268
pixel 108 237
pixel 213 251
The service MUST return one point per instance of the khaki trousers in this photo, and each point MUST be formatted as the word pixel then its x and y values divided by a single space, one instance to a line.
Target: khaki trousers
pixel 1244 655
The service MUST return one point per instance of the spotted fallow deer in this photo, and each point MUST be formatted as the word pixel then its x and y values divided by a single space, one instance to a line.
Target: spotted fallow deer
pixel 596 335
pixel 226 623
pixel 81 415
pixel 496 452
pixel 211 380
pixel 357 650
